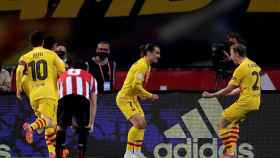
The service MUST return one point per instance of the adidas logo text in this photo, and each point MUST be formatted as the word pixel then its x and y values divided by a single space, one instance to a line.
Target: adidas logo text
pixel 201 140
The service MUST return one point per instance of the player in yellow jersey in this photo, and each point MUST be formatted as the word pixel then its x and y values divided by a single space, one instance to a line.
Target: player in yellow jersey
pixel 37 74
pixel 245 82
pixel 127 99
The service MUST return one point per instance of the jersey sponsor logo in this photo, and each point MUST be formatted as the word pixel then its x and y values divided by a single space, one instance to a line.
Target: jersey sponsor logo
pixel 140 76
pixel 37 9
pixel 200 131
pixel 74 72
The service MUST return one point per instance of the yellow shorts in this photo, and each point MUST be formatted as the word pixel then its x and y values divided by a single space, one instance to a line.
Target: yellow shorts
pixel 237 112
pixel 129 106
pixel 46 108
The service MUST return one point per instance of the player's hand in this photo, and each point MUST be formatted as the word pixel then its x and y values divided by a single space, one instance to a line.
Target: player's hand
pixel 18 93
pixel 206 94
pixel 91 128
pixel 154 97
pixel 141 98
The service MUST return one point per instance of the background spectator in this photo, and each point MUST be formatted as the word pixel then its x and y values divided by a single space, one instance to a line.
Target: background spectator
pixel 5 80
pixel 103 68
pixel 50 43
pixel 221 60
pixel 235 38
pixel 61 51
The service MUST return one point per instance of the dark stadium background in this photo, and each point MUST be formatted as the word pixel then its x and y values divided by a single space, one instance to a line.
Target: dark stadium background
pixel 188 46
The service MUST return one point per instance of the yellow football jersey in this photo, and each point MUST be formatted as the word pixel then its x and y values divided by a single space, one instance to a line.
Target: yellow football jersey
pixel 37 73
pixel 247 77
pixel 136 76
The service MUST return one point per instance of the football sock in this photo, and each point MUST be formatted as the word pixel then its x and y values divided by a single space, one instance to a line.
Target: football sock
pixel 39 123
pixel 60 142
pixel 135 139
pixel 229 138
pixel 82 141
pixel 50 136
pixel 139 140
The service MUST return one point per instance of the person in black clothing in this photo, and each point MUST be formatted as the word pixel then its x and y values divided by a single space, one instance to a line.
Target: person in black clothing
pixel 50 43
pixel 222 63
pixel 235 38
pixel 103 67
pixel 61 51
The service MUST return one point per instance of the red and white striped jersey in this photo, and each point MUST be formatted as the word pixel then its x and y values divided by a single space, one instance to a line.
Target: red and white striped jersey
pixel 77 81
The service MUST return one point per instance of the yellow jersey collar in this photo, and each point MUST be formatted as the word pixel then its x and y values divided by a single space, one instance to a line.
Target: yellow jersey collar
pixel 40 47
pixel 244 61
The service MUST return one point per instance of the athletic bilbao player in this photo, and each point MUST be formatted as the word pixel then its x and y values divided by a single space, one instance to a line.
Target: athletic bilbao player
pixel 76 106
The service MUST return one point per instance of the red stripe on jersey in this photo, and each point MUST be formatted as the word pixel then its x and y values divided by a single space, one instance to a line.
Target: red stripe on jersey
pixel 74 84
pixel 64 86
pixel 84 87
pixel 71 87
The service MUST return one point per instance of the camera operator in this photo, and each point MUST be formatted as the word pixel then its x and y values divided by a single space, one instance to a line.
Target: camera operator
pixel 232 39
pixel 221 58
pixel 221 50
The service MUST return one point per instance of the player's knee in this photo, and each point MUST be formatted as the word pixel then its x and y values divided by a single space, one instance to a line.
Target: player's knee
pixel 141 124
pixel 49 121
pixel 144 124
pixel 138 122
pixel 223 123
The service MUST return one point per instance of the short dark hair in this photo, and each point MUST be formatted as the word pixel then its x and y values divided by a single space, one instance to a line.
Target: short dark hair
pixel 142 50
pixel 147 47
pixel 36 38
pixel 49 42
pixel 237 37
pixel 79 64
pixel 104 42
pixel 241 49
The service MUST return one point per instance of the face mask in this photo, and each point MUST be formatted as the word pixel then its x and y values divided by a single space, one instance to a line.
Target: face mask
pixel 103 56
pixel 61 54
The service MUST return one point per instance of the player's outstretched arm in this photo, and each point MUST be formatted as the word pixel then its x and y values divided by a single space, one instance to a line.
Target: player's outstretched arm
pixel 19 75
pixel 222 92
pixel 138 84
pixel 236 91
pixel 93 104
